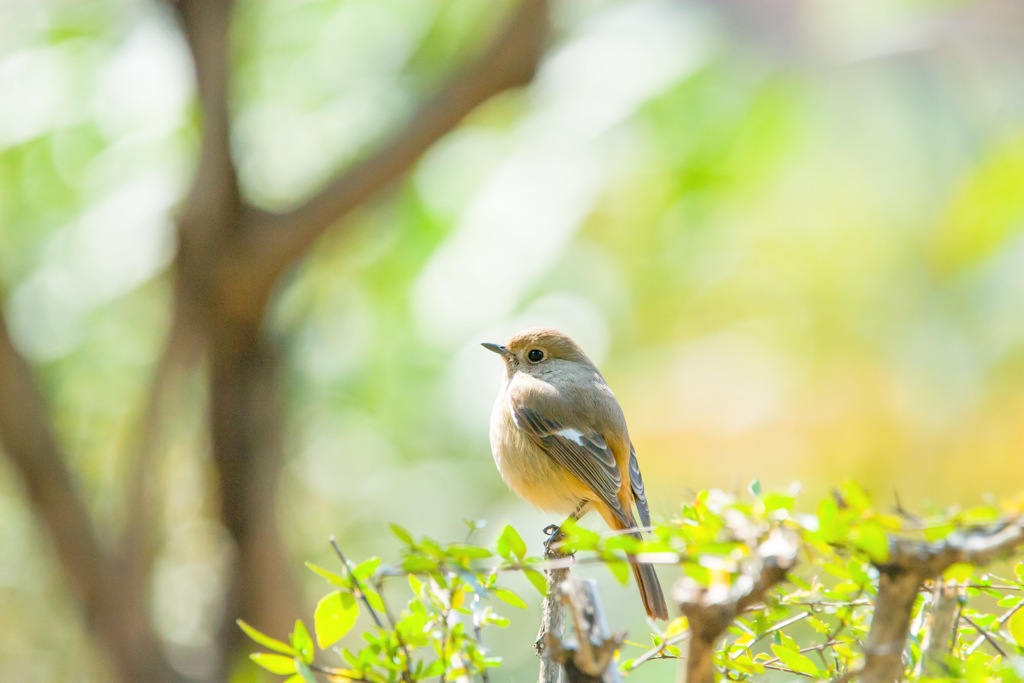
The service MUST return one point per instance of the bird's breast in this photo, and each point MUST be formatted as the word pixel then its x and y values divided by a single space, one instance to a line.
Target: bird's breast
pixel 527 469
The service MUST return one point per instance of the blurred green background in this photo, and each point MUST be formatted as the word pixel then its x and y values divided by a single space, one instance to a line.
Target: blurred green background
pixel 788 232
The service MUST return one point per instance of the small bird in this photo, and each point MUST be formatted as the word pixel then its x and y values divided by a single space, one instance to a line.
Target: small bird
pixel 560 441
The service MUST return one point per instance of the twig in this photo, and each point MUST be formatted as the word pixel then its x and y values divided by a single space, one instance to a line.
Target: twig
pixel 356 585
pixel 406 670
pixel 985 635
pixel 1003 618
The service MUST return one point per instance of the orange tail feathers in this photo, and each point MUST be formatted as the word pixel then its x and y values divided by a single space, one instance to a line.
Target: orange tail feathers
pixel 650 591
pixel 646 577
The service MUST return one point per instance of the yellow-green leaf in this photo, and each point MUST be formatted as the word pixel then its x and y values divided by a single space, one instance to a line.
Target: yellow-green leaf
pixel 365 569
pixel 333 577
pixel 537 580
pixel 1015 624
pixel 335 615
pixel 302 642
pixel 870 537
pixel 510 543
pixel 265 640
pixel 505 595
pixel 275 664
pixel 796 661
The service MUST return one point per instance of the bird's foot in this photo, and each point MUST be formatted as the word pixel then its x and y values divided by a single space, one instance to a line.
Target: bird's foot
pixel 555 536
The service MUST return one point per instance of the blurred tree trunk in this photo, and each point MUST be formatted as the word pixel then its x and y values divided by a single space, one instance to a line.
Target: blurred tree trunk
pixel 230 259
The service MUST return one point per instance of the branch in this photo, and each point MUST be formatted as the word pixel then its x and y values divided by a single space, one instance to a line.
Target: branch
pixel 941 624
pixel 710 610
pixel 26 432
pixel 552 615
pixel 909 564
pixel 508 62
pixel 214 193
pixel 591 659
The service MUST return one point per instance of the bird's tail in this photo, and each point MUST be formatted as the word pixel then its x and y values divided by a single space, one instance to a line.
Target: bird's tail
pixel 646 577
pixel 650 590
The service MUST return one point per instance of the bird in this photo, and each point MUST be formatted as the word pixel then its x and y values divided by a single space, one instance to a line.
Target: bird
pixel 560 441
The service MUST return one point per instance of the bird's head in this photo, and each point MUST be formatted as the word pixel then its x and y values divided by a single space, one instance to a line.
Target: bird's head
pixel 538 350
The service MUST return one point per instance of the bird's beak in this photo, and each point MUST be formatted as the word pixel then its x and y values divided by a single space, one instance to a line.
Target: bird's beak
pixel 497 348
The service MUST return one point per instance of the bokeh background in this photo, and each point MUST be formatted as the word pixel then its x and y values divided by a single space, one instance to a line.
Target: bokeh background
pixel 789 232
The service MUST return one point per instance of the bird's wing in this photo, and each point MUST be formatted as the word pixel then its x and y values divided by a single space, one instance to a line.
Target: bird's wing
pixel 582 451
pixel 636 482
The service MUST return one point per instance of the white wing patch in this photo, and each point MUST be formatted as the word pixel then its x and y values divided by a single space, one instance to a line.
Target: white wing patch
pixel 574 435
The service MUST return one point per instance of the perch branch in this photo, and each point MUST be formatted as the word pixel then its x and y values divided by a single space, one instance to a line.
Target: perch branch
pixel 591 658
pixel 552 615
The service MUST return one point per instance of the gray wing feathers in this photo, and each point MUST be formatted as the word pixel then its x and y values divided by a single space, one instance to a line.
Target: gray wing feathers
pixel 636 482
pixel 586 455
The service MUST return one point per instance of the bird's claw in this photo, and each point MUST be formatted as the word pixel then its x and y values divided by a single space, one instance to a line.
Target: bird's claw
pixel 555 536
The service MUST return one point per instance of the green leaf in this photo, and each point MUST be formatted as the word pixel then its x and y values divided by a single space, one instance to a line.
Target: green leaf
pixel 473 552
pixel 796 661
pixel 335 615
pixel 505 595
pixel 1015 624
pixel 402 535
pixel 829 527
pixel 511 543
pixel 419 563
pixel 958 571
pixel 302 642
pixel 1018 569
pixel 619 569
pixel 265 640
pixel 870 537
pixel 755 488
pixel 373 598
pixel 537 580
pixel 623 542
pixel 580 538
pixel 333 577
pixel 275 664
pixel 366 568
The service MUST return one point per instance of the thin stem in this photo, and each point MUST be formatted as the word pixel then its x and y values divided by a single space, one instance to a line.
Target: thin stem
pixel 358 588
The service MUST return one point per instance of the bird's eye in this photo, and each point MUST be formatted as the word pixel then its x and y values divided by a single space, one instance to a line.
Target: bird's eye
pixel 535 355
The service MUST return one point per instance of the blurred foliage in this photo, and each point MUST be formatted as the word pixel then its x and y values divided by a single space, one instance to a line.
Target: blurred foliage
pixel 814 626
pixel 789 236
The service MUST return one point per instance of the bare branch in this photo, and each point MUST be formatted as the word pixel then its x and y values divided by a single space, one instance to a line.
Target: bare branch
pixel 508 62
pixel 941 624
pixel 591 658
pixel 710 610
pixel 214 192
pixel 909 564
pixel 552 615
pixel 28 438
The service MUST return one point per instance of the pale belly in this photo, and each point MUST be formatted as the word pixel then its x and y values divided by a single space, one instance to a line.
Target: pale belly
pixel 532 474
